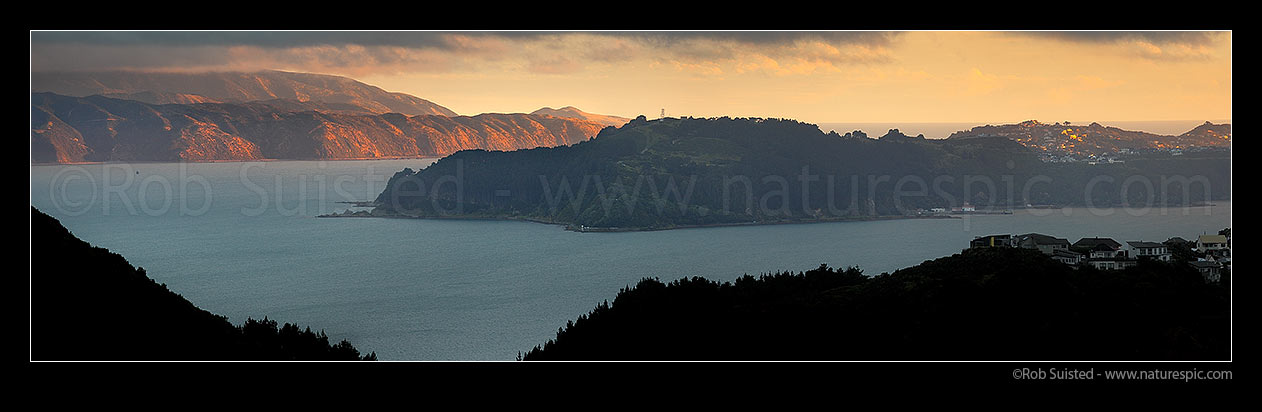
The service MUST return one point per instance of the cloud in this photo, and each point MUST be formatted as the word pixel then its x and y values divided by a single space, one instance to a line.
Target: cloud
pixel 1095 82
pixel 274 39
pixel 761 38
pixel 553 65
pixel 369 52
pixel 837 47
pixel 1172 52
pixel 977 83
pixel 1154 37
pixel 703 69
pixel 1152 45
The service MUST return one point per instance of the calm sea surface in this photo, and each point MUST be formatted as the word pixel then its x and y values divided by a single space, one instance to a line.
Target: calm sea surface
pixel 242 240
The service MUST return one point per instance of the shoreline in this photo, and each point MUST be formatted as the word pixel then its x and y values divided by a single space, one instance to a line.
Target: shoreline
pixel 570 227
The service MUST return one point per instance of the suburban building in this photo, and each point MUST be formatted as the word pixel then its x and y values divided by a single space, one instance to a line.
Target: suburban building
pixel 1211 243
pixel 993 241
pixel 1098 247
pixel 1113 263
pixel 1103 253
pixel 1177 241
pixel 1147 250
pixel 1210 270
pixel 1068 257
pixel 1044 243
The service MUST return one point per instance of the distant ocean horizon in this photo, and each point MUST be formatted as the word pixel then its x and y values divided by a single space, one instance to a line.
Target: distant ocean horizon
pixel 944 129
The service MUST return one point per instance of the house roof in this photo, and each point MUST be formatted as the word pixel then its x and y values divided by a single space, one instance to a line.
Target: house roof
pixel 1211 239
pixel 1204 264
pixel 1092 242
pixel 1112 259
pixel 1139 244
pixel 1103 247
pixel 1066 253
pixel 1176 239
pixel 1041 239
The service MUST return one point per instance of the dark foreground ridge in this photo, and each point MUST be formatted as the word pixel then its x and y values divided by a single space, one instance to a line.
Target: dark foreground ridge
pixel 89 304
pixel 982 304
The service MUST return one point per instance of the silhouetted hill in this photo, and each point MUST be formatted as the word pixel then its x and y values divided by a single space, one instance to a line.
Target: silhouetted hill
pixel 982 304
pixel 90 304
pixel 233 87
pixel 96 128
pixel 672 173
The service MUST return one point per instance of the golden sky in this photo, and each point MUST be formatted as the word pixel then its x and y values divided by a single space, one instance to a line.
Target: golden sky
pixel 818 77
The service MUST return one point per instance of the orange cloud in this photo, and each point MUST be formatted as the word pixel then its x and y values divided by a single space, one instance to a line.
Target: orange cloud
pixel 978 83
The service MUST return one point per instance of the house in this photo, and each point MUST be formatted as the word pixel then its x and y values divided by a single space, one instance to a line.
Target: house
pixel 1044 243
pixel 1103 253
pixel 993 241
pixel 1147 250
pixel 1098 247
pixel 1111 263
pixel 1068 257
pixel 1210 270
pixel 1205 243
pixel 1177 241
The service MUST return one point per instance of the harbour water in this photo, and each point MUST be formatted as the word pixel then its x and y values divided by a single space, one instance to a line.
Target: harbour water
pixel 242 240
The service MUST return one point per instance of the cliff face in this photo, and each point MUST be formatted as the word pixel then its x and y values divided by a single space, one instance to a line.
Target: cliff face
pixel 235 87
pixel 71 129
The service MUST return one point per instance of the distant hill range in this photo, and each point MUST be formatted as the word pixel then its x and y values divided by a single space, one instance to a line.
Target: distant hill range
pixel 67 129
pixel 574 113
pixel 1097 139
pixel 234 87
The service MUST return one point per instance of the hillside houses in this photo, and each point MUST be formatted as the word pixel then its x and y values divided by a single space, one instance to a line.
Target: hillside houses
pixel 1212 271
pixel 1044 243
pixel 993 241
pixel 1214 244
pixel 1151 250
pixel 1209 255
pixel 1098 246
pixel 1217 254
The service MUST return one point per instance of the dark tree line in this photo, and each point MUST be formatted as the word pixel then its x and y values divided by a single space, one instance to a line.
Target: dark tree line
pixel 90 304
pixel 984 304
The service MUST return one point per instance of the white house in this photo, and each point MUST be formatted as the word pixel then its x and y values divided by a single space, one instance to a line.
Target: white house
pixel 1067 257
pixel 1211 243
pixel 1111 263
pixel 1147 250
pixel 1099 247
